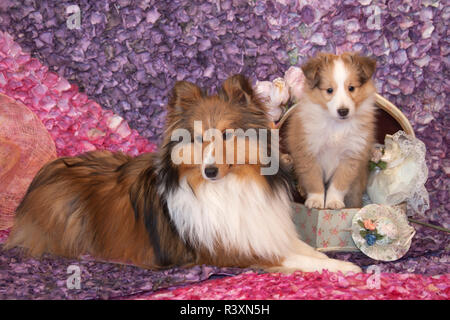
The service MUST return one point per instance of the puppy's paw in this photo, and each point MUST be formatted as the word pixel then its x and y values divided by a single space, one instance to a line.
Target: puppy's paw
pixel 315 200
pixel 319 255
pixel 334 204
pixel 279 269
pixel 335 198
pixel 334 265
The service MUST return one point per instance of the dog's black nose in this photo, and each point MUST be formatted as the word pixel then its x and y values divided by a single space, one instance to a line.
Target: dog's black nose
pixel 211 172
pixel 343 112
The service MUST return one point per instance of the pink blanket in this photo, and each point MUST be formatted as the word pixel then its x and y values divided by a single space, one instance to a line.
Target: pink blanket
pixel 309 286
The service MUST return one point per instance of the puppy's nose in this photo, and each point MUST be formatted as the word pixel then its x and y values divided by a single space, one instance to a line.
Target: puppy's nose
pixel 343 112
pixel 211 172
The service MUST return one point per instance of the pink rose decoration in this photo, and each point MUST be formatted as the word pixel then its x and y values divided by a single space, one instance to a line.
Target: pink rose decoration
pixel 262 89
pixel 295 80
pixel 275 95
pixel 369 225
pixel 279 92
pixel 377 152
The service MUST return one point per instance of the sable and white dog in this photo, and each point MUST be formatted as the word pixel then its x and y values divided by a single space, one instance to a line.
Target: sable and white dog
pixel 155 212
pixel 332 130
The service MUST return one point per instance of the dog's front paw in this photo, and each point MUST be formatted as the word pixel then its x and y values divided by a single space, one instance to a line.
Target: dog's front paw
pixel 335 204
pixel 315 200
pixel 346 267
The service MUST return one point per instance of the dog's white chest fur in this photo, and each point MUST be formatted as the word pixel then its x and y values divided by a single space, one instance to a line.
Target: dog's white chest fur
pixel 234 214
pixel 331 140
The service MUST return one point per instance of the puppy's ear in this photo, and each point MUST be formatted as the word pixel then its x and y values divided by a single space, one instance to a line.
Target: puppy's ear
pixel 365 65
pixel 311 69
pixel 184 95
pixel 237 89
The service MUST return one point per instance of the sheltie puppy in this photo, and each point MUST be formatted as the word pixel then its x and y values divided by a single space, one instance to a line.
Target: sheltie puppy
pixel 332 129
pixel 155 212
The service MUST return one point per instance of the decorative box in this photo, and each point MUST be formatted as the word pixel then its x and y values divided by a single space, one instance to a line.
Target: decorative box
pixel 326 229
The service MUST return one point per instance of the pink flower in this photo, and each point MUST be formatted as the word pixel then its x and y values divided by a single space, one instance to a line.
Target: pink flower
pixel 275 113
pixel 280 92
pixel 295 80
pixel 344 215
pixel 263 88
pixel 275 95
pixel 334 231
pixel 369 224
pixel 377 153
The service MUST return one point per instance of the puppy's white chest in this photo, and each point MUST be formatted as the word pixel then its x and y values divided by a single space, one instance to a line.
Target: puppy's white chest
pixel 331 142
pixel 331 149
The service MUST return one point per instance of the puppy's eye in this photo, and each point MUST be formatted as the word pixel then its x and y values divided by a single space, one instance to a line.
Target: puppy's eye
pixel 330 90
pixel 351 88
pixel 199 139
pixel 227 135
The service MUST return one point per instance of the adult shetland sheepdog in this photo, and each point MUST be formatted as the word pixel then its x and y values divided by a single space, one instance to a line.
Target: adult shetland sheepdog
pixel 332 129
pixel 154 213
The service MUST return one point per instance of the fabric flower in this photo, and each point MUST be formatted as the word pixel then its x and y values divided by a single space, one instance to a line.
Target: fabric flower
pixel 295 80
pixel 369 224
pixel 369 231
pixel 275 95
pixel 263 89
pixel 371 239
pixel 279 95
pixel 275 113
pixel 377 152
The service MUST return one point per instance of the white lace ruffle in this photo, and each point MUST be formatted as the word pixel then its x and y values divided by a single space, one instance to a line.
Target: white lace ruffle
pixel 405 175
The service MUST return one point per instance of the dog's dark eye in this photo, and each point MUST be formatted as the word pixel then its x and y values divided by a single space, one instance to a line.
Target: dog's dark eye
pixel 351 88
pixel 330 90
pixel 227 135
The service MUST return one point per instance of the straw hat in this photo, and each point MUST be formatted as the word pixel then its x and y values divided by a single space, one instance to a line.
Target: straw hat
pixel 25 146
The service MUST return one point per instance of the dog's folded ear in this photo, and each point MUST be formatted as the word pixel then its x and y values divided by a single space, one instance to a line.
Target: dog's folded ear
pixel 311 69
pixel 184 95
pixel 365 65
pixel 237 89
